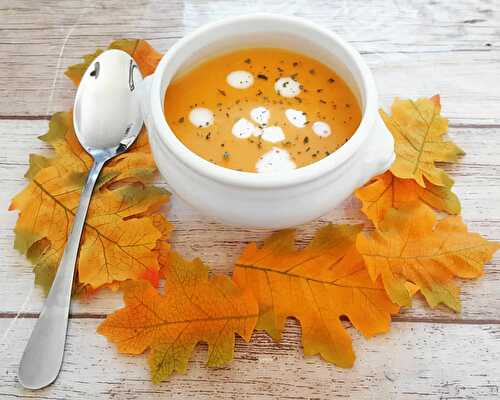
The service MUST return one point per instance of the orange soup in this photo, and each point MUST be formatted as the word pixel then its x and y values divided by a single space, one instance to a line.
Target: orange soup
pixel 261 110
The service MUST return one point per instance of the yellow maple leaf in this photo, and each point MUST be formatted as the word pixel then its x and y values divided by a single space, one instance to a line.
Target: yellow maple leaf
pixel 194 308
pixel 418 130
pixel 388 191
pixel 317 285
pixel 410 245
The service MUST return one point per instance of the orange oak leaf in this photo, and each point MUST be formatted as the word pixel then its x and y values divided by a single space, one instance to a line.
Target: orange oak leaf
pixel 136 164
pixel 162 248
pixel 124 233
pixel 388 191
pixel 152 274
pixel 317 285
pixel 410 245
pixel 418 130
pixel 116 243
pixel 194 308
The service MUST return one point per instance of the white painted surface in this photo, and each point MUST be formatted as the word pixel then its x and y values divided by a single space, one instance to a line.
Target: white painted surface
pixel 415 48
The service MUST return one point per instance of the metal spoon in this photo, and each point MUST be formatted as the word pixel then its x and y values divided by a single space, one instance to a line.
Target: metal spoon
pixel 107 120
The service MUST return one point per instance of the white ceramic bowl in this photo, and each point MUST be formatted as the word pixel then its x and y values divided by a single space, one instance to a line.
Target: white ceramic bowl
pixel 275 200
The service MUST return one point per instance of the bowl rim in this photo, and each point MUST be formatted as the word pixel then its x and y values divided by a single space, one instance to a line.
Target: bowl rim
pixel 251 179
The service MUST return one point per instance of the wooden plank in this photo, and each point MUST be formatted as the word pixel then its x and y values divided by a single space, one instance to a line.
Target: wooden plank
pixel 449 48
pixel 478 185
pixel 413 361
pixel 415 48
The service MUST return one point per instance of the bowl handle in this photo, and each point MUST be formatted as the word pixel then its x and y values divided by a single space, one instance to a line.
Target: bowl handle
pixel 379 153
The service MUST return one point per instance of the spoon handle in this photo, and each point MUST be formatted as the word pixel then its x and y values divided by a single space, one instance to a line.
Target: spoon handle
pixel 43 355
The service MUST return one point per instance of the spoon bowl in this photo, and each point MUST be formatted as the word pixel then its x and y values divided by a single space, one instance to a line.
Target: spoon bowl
pixel 107 110
pixel 107 120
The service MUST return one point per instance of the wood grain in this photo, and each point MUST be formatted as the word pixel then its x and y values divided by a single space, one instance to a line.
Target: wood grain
pixel 415 48
pixel 219 245
pixel 413 361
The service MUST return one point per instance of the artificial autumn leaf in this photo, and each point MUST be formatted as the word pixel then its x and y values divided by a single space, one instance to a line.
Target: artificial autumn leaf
pixel 151 275
pixel 116 245
pixel 194 308
pixel 136 163
pixel 388 191
pixel 418 130
pixel 123 232
pixel 317 285
pixel 410 245
pixel 162 248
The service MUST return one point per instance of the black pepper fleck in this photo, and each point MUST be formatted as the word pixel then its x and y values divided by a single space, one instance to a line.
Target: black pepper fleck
pixel 221 92
pixel 262 76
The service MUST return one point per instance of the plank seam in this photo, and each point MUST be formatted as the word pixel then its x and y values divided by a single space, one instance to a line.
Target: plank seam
pixel 425 320
pixel 47 117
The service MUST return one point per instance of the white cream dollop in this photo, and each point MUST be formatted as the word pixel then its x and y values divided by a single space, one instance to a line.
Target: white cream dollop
pixel 273 134
pixel 287 87
pixel 260 115
pixel 296 117
pixel 243 129
pixel 275 160
pixel 322 129
pixel 240 79
pixel 201 117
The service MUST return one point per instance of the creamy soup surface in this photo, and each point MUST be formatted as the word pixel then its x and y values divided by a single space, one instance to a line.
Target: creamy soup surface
pixel 261 110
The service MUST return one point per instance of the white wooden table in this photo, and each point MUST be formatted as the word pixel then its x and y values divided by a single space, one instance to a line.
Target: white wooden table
pixel 415 48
